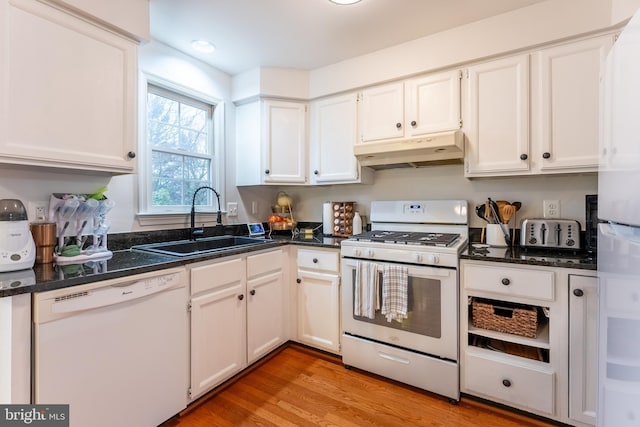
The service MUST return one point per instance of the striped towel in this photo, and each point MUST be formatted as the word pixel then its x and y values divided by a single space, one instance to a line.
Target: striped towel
pixel 395 283
pixel 366 292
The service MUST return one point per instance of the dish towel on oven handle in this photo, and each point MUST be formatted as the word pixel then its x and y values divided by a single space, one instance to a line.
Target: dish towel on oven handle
pixel 395 284
pixel 366 293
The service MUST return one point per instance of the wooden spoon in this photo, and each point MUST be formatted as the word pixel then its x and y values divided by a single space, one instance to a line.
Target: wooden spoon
pixel 506 212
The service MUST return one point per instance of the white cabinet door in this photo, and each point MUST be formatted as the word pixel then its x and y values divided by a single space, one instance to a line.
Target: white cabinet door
pixel 497 120
pixel 382 112
pixel 583 348
pixel 319 310
pixel 265 313
pixel 285 142
pixel 67 91
pixel 218 324
pixel 568 105
pixel 265 304
pixel 432 103
pixel 334 132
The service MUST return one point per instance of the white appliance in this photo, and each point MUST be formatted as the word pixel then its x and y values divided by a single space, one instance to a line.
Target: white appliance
pixel 17 248
pixel 427 238
pixel 619 235
pixel 415 152
pixel 115 351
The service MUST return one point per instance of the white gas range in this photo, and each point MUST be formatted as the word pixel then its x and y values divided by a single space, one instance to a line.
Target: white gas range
pixel 422 240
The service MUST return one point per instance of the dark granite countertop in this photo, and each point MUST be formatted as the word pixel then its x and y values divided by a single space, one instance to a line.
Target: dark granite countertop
pixel 517 255
pixel 126 262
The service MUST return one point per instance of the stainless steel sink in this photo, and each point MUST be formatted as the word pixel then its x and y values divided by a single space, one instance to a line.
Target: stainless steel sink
pixel 184 248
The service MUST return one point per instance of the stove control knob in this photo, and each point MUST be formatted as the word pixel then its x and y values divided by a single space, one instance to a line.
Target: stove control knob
pixel 435 259
pixel 417 257
pixel 357 252
pixel 370 253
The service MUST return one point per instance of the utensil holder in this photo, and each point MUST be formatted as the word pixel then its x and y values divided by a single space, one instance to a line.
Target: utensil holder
pixel 495 236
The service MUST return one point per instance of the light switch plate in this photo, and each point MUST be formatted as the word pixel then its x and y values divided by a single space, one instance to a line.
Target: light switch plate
pixel 232 209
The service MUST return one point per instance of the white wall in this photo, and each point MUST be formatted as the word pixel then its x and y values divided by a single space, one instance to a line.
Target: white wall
pixel 526 27
pixel 448 182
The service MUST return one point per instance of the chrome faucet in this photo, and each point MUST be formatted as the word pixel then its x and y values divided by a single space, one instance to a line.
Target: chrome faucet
pixel 200 232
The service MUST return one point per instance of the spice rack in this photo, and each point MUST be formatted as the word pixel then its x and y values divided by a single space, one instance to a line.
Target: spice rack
pixel 343 218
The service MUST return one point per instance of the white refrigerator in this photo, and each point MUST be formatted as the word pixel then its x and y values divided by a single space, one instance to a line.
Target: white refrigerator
pixel 619 234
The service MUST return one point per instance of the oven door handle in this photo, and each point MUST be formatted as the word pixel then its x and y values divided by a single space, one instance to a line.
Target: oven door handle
pixel 393 358
pixel 425 272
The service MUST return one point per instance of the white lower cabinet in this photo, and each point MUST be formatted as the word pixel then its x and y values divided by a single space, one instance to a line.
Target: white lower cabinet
pixel 526 384
pixel 552 374
pixel 265 304
pixel 318 298
pixel 234 321
pixel 218 323
pixel 583 348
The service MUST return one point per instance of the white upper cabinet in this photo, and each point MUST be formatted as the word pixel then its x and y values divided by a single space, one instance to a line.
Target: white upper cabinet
pixel 432 103
pixel 555 129
pixel 567 99
pixel 271 143
pixel 415 107
pixel 67 91
pixel 382 112
pixel 497 119
pixel 334 131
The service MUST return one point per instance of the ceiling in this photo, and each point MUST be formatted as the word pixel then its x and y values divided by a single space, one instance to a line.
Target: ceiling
pixel 307 34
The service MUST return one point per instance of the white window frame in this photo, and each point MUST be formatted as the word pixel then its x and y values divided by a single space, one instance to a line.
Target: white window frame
pixel 147 215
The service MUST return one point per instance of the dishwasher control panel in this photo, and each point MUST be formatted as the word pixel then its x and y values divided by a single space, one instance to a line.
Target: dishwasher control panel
pixel 550 233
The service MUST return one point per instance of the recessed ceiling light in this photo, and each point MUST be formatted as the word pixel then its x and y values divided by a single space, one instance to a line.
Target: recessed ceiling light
pixel 344 1
pixel 203 46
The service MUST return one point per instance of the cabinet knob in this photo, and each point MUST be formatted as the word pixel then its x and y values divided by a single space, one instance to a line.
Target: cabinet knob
pixel 506 281
pixel 131 154
pixel 506 383
pixel 546 155
pixel 315 260
pixel 241 297
pixel 252 291
pixel 578 292
pixel 414 123
pixel 315 172
pixel 523 157
pixel 298 280
pixel 267 171
pixel 398 125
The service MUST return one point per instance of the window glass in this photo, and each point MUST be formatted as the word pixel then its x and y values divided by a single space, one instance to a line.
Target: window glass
pixel 180 150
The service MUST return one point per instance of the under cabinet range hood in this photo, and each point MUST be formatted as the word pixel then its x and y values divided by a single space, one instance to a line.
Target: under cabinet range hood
pixel 435 148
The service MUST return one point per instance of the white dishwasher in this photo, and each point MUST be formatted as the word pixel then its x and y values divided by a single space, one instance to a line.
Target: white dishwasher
pixel 116 351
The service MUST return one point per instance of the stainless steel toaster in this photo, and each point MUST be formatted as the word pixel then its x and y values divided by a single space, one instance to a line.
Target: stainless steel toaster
pixel 550 233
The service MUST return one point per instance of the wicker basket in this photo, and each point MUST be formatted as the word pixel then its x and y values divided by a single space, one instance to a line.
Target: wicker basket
pixel 517 320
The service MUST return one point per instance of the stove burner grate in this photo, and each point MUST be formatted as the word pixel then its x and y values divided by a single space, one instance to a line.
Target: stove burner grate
pixel 408 238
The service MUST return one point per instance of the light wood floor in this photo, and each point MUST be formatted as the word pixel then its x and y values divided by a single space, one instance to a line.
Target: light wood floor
pixel 301 387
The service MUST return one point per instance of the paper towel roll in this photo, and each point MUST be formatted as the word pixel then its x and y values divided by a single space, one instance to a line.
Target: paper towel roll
pixel 327 219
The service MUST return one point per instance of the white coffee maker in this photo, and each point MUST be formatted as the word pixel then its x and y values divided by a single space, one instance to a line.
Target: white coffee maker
pixel 17 248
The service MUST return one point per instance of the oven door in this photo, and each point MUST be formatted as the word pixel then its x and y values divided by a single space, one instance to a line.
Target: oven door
pixel 431 326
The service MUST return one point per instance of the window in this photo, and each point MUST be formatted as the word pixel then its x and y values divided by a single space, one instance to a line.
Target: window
pixel 179 153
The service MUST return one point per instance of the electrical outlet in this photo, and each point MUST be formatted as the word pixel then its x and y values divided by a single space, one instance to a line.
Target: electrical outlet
pixel 232 209
pixel 551 208
pixel 38 211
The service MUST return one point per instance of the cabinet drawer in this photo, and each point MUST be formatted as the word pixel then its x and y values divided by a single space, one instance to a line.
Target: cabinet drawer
pixel 261 264
pixel 319 260
pixel 517 282
pixel 521 386
pixel 208 277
